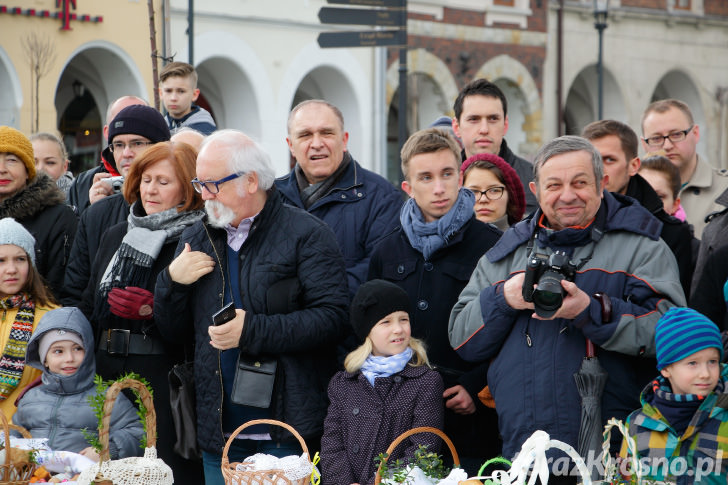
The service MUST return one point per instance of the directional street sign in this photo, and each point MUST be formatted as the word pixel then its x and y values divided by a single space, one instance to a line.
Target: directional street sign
pixel 369 3
pixel 360 16
pixel 376 38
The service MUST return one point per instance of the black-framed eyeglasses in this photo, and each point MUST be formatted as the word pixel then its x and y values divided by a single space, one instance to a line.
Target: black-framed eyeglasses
pixel 213 186
pixel 493 193
pixel 656 141
pixel 134 145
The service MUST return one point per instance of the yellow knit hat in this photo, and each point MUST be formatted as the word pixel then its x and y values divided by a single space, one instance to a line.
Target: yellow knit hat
pixel 13 141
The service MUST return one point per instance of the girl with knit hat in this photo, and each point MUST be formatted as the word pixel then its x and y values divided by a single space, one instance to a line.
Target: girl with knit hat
pixel 34 200
pixel 387 389
pixel 23 300
pixel 499 196
pixel 680 430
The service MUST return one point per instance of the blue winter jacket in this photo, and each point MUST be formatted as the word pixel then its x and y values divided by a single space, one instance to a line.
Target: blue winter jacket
pixel 361 209
pixel 533 361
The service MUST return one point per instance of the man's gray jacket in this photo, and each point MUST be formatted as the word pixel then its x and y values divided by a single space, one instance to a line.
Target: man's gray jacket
pixel 533 361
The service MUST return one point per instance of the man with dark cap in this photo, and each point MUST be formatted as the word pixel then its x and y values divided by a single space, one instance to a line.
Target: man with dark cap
pixel 131 132
pixel 34 200
pixel 88 187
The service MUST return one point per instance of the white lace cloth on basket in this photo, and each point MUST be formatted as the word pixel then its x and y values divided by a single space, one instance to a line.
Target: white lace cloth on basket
pixel 137 470
pixel 293 467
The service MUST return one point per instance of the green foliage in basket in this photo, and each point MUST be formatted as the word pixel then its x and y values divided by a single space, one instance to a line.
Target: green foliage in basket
pixel 96 401
pixel 429 462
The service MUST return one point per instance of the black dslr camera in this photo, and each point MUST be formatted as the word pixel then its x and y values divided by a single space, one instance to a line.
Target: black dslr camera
pixel 547 272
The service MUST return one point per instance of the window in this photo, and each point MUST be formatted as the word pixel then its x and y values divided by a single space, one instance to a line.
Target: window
pixel 682 5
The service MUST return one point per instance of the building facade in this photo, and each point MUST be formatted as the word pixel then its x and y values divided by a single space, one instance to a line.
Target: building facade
pixel 256 60
pixel 93 52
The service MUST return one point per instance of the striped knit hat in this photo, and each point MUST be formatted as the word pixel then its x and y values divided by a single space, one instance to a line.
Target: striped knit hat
pixel 683 331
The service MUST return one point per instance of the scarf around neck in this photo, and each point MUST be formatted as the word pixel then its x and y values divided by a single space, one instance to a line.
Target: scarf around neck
pixel 310 193
pixel 132 262
pixel 677 409
pixel 12 362
pixel 428 237
pixel 379 366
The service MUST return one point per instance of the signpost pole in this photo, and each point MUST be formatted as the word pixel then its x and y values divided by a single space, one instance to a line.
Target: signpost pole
pixel 402 129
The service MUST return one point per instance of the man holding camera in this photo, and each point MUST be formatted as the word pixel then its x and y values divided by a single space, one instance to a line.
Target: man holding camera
pixel 587 265
pixel 130 133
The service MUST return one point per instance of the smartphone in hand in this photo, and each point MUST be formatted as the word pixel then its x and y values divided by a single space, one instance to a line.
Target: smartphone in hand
pixel 224 315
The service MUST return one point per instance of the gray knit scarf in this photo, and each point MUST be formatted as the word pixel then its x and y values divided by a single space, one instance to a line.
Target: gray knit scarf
pixel 131 264
pixel 428 237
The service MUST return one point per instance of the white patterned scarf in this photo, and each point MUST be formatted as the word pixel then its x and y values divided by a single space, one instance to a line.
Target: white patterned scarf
pixel 379 366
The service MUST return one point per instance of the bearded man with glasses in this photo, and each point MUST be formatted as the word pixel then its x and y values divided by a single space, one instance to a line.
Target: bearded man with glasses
pixel 281 270
pixel 668 125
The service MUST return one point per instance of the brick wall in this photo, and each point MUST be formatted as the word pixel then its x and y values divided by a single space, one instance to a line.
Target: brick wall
pixel 656 4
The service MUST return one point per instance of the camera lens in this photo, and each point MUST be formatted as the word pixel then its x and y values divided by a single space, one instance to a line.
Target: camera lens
pixel 548 295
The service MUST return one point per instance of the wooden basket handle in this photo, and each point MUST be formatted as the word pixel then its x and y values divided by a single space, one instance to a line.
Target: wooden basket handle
pixel 23 432
pixel 407 434
pixel 225 462
pixel 6 430
pixel 111 395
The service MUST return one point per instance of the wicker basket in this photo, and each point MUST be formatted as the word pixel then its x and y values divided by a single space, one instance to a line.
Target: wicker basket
pixel 146 470
pixel 259 477
pixel 17 473
pixel 407 434
pixel 610 473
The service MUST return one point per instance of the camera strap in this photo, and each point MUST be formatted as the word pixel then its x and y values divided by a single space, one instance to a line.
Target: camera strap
pixel 597 232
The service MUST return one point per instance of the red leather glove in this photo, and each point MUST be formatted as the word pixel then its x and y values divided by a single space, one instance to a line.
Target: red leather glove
pixel 132 302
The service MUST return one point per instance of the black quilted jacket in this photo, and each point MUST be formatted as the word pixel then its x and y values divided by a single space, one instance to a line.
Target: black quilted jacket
pixel 284 244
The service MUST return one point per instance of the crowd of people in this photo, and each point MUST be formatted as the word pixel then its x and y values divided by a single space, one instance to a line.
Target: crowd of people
pixel 466 301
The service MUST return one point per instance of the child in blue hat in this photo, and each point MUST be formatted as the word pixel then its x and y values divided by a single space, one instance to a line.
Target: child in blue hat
pixel 681 431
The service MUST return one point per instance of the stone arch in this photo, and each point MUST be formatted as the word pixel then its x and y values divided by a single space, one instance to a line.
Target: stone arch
pixel 11 97
pixel 423 62
pixel 432 84
pixel 582 102
pixel 678 84
pixel 336 76
pixel 524 102
pixel 231 77
pixel 85 90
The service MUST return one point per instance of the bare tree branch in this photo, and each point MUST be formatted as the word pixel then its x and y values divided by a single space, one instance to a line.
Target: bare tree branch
pixel 40 53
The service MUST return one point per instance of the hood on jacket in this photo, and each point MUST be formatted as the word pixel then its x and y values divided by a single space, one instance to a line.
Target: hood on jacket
pixel 69 319
pixel 618 212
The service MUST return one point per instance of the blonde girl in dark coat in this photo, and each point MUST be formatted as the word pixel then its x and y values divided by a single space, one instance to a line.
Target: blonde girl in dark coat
pixel 388 388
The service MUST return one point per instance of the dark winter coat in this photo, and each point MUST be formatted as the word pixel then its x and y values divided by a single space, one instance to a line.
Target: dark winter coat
pixel 708 297
pixel 59 408
pixel 361 209
pixel 531 374
pixel 363 421
pixel 94 222
pixel 433 287
pixel 524 169
pixel 284 244
pixel 705 276
pixel 78 193
pixel 154 368
pixel 40 207
pixel 675 233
